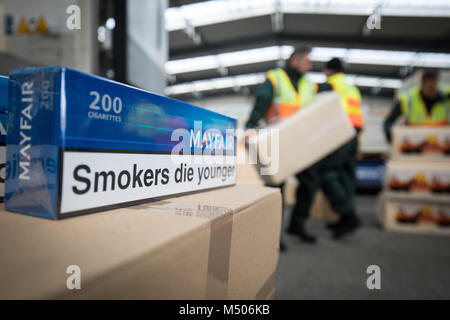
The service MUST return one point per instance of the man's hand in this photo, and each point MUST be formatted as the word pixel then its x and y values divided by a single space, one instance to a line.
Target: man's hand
pixel 248 134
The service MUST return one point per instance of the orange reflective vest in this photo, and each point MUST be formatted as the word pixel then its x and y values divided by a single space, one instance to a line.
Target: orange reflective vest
pixel 287 100
pixel 350 98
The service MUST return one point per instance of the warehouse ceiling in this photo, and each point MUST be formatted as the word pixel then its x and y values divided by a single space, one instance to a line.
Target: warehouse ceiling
pixel 219 34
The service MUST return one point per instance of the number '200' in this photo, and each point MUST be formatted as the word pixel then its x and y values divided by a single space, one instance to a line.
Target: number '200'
pixel 107 103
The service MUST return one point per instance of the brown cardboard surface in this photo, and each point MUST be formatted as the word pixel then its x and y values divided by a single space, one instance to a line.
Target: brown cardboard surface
pixel 255 235
pixel 256 245
pixel 35 252
pixel 290 190
pixel 144 252
pixel 246 173
pixel 304 138
pixel 320 209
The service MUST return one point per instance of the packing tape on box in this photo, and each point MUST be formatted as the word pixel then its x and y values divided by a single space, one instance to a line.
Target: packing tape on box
pixel 267 290
pixel 221 219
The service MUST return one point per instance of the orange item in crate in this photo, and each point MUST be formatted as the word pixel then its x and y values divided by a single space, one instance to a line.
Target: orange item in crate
pixel 419 182
pixel 409 147
pixel 439 187
pixel 396 184
pixel 425 215
pixel 431 145
pixel 443 219
pixel 404 217
pixel 446 147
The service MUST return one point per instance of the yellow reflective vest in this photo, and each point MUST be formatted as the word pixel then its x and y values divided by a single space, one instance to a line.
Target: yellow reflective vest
pixel 415 112
pixel 350 98
pixel 287 100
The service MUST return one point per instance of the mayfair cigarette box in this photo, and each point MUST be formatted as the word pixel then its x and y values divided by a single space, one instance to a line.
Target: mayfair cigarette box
pixel 79 143
pixel 297 142
pixel 218 244
pixel 3 94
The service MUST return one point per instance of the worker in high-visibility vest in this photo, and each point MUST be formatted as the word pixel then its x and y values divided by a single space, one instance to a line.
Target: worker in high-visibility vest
pixel 426 105
pixel 285 91
pixel 338 170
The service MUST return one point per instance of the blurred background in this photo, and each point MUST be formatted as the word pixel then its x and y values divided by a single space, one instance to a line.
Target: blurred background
pixel 214 54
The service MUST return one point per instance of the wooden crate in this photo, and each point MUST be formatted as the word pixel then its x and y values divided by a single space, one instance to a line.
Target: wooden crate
pixel 421 215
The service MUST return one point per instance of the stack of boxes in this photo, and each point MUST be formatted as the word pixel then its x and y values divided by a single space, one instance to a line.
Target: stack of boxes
pixel 79 144
pixel 417 182
pixel 219 244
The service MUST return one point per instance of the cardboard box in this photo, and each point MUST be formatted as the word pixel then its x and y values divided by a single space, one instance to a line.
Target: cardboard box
pixel 320 209
pixel 418 177
pixel 220 244
pixel 246 173
pixel 421 143
pixel 79 143
pixel 290 191
pixel 299 141
pixel 416 216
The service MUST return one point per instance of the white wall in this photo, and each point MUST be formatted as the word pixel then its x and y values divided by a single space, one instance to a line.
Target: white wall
pixel 147 47
pixel 73 48
pixel 2 27
pixel 54 11
pixel 236 106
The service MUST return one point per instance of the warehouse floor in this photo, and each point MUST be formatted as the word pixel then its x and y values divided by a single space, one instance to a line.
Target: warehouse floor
pixel 412 266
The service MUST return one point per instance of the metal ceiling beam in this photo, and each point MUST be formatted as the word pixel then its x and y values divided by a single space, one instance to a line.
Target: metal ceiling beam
pixel 190 77
pixel 384 93
pixel 179 3
pixel 371 42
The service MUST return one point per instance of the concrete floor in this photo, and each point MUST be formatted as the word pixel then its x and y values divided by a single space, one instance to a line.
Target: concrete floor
pixel 412 266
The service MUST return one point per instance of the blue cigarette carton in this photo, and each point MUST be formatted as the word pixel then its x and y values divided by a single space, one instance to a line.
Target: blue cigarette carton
pixel 3 94
pixel 79 143
pixel 3 122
